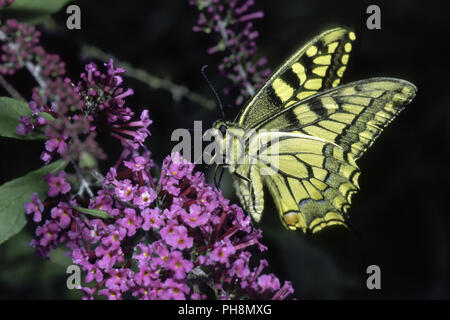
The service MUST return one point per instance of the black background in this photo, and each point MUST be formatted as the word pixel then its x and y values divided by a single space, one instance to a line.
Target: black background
pixel 401 216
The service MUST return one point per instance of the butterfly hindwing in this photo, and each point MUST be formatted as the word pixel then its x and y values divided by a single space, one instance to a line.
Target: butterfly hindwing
pixel 318 65
pixel 311 180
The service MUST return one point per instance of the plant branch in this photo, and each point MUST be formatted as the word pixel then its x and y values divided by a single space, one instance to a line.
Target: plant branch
pixel 84 184
pixel 241 70
pixel 34 69
pixel 10 89
pixel 154 82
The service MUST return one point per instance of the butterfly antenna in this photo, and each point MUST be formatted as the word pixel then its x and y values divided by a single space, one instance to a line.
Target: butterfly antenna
pixel 213 90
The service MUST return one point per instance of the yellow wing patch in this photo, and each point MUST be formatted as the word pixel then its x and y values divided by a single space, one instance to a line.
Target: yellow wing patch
pixel 299 70
pixel 282 90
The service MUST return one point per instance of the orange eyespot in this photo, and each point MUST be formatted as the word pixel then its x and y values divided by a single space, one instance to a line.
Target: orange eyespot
pixel 291 218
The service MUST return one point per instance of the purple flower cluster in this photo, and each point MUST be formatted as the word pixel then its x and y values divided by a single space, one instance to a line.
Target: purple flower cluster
pixel 132 235
pixel 5 3
pixel 179 239
pixel 21 46
pixel 100 102
pixel 96 100
pixel 76 110
pixel 232 23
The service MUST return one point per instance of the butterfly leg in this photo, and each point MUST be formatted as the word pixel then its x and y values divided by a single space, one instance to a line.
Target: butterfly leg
pixel 217 183
pixel 250 192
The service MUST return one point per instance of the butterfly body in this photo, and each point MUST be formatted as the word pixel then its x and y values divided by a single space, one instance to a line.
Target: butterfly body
pixel 301 134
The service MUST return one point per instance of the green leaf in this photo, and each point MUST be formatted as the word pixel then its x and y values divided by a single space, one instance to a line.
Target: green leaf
pixel 33 11
pixel 15 193
pixel 10 111
pixel 93 212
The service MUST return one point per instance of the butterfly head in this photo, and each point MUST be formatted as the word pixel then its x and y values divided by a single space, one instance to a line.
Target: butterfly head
pixel 222 126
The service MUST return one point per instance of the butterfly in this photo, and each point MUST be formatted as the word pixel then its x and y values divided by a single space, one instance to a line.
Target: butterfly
pixel 301 134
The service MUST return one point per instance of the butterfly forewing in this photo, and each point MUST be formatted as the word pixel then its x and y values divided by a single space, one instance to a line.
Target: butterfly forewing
pixel 318 65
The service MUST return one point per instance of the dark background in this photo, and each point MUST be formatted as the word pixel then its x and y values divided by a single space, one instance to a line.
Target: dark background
pixel 401 216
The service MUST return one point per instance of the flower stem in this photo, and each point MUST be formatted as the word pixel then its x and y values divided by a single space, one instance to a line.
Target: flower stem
pixel 10 89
